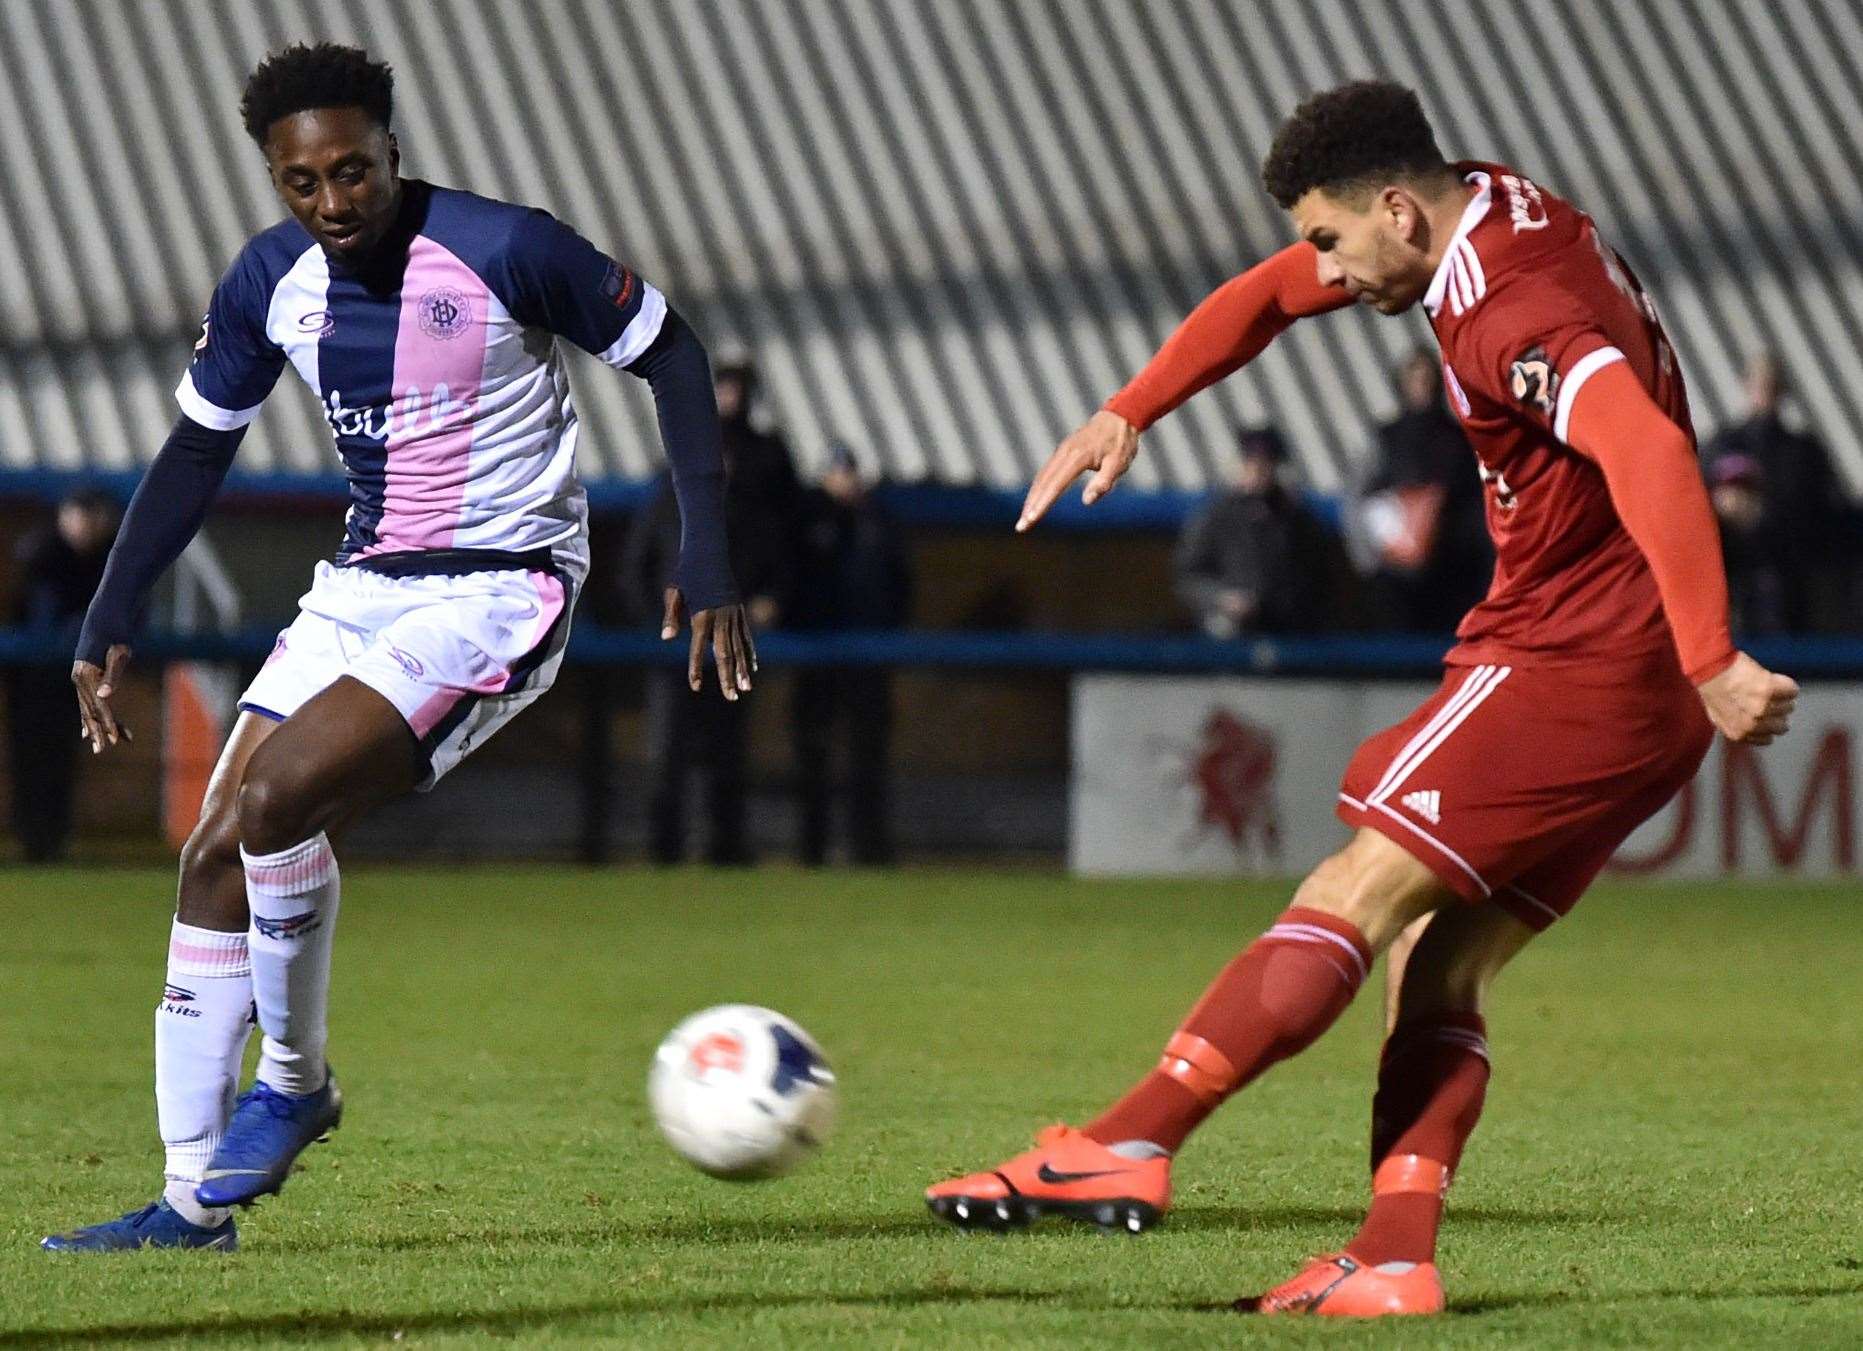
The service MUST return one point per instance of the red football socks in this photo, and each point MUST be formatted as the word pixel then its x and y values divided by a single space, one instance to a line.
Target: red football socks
pixel 1270 1003
pixel 1431 1080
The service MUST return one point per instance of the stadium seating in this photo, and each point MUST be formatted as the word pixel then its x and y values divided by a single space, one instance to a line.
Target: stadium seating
pixel 863 196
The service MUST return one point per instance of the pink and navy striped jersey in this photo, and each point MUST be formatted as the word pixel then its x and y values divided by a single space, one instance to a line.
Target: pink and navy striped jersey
pixel 437 367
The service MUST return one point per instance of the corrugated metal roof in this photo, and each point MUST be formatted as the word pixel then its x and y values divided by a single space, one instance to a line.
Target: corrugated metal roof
pixel 946 228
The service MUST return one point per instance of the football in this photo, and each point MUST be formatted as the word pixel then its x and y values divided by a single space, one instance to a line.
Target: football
pixel 742 1092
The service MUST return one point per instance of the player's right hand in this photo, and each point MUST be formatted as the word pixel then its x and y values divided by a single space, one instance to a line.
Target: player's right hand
pixel 1748 703
pixel 96 686
pixel 1106 445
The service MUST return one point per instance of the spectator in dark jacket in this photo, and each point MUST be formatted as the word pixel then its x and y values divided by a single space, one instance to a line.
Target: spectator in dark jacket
pixel 686 730
pixel 58 570
pixel 853 574
pixel 1756 582
pixel 1421 515
pixel 1255 560
pixel 1804 508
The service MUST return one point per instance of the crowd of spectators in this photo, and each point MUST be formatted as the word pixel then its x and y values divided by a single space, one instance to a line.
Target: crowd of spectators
pixel 56 569
pixel 1255 560
pixel 819 558
pixel 1406 550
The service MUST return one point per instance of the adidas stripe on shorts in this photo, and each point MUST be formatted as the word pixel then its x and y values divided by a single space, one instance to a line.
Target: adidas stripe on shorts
pixel 1516 785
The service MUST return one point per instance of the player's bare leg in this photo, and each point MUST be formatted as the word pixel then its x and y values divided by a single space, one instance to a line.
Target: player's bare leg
pixel 344 751
pixel 1270 1003
pixel 1396 957
pixel 1431 1080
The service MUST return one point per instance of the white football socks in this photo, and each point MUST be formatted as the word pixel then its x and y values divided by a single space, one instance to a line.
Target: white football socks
pixel 293 898
pixel 201 1027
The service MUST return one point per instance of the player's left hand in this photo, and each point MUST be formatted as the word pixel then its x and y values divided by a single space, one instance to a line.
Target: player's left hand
pixel 726 630
pixel 1748 703
pixel 96 686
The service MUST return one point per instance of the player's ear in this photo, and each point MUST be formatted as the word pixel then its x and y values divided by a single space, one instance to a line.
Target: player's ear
pixel 394 154
pixel 1402 211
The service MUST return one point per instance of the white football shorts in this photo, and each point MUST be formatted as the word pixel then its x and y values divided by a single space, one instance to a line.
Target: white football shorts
pixel 459 656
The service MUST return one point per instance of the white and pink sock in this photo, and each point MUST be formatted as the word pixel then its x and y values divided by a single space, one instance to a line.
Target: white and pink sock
pixel 201 1027
pixel 293 897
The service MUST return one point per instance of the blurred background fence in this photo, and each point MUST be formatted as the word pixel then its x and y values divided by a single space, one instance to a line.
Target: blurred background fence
pixel 943 231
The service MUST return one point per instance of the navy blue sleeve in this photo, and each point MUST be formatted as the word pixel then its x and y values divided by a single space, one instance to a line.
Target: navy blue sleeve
pixel 557 280
pixel 680 375
pixel 166 512
pixel 235 364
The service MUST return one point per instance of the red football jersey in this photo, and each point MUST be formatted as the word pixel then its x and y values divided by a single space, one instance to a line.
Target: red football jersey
pixel 1528 304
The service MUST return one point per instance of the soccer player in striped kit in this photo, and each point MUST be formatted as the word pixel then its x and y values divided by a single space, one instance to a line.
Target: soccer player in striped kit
pixel 426 320
pixel 1583 693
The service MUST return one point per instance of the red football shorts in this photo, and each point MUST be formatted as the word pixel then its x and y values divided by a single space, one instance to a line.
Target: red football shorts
pixel 1516 786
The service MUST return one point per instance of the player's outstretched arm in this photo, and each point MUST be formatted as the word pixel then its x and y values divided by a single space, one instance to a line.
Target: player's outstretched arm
pixel 1228 330
pixel 170 504
pixel 1655 483
pixel 676 368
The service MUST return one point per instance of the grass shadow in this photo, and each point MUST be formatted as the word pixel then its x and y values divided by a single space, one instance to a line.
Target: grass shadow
pixel 329 1326
pixel 1554 1299
pixel 895 1225
pixel 326 1326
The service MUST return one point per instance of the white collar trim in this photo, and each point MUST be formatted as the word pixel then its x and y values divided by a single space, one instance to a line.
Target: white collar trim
pixel 1471 217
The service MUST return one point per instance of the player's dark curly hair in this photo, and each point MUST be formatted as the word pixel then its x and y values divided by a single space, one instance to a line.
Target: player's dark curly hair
pixel 1346 138
pixel 322 76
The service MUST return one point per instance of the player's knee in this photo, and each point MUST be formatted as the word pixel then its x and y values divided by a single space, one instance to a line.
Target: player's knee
pixel 275 810
pixel 1361 886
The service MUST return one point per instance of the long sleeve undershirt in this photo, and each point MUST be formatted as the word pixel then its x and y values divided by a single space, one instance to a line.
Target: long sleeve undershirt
pixel 1228 330
pixel 1655 483
pixel 676 369
pixel 166 512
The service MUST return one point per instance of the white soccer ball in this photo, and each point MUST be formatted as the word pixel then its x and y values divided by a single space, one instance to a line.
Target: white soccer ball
pixel 742 1092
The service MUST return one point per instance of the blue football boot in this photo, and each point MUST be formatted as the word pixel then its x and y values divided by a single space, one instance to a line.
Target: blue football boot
pixel 156 1225
pixel 269 1129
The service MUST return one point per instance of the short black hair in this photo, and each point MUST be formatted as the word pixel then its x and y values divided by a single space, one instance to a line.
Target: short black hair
pixel 1349 137
pixel 326 75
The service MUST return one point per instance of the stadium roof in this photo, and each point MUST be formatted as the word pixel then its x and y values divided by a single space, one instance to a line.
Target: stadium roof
pixel 945 228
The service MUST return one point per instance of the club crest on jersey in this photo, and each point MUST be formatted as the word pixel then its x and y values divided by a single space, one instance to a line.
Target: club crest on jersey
pixel 618 286
pixel 444 313
pixel 1534 381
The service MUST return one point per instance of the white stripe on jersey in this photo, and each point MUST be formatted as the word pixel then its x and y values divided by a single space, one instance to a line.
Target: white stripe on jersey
pixel 1586 367
pixel 298 312
pixel 210 414
pixel 641 330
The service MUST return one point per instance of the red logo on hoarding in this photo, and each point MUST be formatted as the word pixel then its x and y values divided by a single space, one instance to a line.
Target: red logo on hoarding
pixel 1232 773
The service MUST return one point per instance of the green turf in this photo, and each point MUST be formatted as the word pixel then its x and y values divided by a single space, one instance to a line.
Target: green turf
pixel 1669 1155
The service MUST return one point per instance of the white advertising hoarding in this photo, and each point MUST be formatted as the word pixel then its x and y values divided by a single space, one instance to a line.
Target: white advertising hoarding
pixel 1217 776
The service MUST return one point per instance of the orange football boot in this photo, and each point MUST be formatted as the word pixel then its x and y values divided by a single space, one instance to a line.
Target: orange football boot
pixel 1342 1287
pixel 1065 1174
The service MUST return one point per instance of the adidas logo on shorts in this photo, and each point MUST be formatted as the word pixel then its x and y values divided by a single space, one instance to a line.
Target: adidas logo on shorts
pixel 1427 803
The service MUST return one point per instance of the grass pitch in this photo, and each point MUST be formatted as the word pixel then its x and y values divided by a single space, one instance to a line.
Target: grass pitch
pixel 1669 1157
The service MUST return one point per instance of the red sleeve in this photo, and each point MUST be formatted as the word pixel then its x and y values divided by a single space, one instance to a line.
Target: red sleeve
pixel 1655 483
pixel 1228 330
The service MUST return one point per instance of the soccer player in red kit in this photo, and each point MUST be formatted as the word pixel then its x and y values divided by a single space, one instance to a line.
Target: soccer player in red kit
pixel 1583 693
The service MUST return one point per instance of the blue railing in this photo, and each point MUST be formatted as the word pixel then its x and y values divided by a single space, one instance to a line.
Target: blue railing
pixel 1164 653
pixel 931 504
